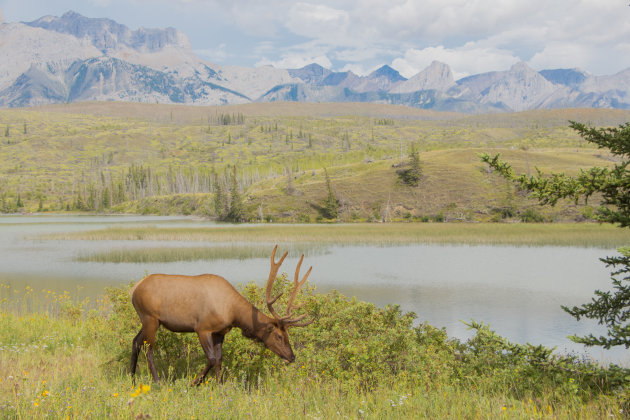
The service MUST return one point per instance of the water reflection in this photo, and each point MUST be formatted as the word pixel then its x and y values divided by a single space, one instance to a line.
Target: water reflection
pixel 517 290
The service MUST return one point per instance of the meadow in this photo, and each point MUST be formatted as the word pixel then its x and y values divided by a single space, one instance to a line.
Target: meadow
pixel 63 358
pixel 158 159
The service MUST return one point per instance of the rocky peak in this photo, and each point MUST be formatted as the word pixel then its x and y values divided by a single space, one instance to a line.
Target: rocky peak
pixel 107 35
pixel 312 73
pixel 387 73
pixel 566 77
pixel 438 76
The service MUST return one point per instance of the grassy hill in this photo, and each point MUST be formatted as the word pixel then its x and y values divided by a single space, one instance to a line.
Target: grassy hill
pixel 163 159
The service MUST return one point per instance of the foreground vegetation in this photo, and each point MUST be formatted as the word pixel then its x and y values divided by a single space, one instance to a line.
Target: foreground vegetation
pixel 275 158
pixel 62 358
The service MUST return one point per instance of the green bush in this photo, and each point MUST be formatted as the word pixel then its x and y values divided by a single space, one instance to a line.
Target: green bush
pixel 531 216
pixel 359 345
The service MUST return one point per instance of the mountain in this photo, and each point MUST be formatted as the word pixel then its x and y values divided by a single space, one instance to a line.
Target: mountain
pixel 107 35
pixel 76 58
pixel 566 77
pixel 438 76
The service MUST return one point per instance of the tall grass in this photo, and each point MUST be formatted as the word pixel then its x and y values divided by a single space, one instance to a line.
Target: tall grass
pixel 519 234
pixel 170 254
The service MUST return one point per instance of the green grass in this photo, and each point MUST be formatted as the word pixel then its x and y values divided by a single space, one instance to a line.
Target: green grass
pixel 519 234
pixel 68 149
pixel 170 253
pixel 59 361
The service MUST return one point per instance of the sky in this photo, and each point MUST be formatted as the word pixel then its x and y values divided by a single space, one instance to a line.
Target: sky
pixel 471 36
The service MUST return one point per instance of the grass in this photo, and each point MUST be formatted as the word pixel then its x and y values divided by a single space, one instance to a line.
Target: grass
pixel 170 254
pixel 53 153
pixel 59 363
pixel 519 234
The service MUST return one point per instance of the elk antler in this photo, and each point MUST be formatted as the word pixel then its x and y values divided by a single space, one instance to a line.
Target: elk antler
pixel 297 285
pixel 272 278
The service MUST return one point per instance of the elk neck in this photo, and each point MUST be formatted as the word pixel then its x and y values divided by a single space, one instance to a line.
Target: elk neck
pixel 252 322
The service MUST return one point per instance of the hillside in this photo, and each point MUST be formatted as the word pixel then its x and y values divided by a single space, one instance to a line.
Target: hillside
pixel 163 159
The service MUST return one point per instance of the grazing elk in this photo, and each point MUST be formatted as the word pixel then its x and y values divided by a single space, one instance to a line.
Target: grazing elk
pixel 210 306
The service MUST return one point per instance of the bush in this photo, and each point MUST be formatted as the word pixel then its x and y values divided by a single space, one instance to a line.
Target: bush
pixel 359 345
pixel 350 340
pixel 531 216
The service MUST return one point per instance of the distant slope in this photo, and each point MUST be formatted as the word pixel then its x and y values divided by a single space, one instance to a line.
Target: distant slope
pixel 148 158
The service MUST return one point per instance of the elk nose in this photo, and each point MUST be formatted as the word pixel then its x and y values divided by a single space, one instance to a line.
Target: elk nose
pixel 292 358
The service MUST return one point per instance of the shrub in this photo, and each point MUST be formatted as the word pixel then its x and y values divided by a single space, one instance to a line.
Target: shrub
pixel 531 216
pixel 359 345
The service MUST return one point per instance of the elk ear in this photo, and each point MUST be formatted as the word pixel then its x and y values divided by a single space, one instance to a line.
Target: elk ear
pixel 270 328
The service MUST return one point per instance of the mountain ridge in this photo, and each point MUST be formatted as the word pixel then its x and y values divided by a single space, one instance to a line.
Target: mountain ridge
pixel 41 61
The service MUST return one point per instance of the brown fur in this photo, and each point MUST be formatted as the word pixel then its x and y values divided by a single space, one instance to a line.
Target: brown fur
pixel 208 305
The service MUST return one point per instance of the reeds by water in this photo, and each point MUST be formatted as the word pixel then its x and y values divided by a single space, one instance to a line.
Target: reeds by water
pixel 518 234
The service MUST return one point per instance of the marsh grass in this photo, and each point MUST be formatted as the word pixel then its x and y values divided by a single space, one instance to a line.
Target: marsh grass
pixel 57 365
pixel 170 254
pixel 517 234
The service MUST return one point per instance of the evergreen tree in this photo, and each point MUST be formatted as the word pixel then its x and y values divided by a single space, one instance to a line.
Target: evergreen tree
pixel 330 209
pixel 236 212
pixel 220 200
pixel 413 173
pixel 106 200
pixel 608 308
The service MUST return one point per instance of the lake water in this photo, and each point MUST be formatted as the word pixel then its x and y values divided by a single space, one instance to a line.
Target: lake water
pixel 517 290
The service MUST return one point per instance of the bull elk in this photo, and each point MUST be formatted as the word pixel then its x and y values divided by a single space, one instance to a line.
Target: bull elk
pixel 210 306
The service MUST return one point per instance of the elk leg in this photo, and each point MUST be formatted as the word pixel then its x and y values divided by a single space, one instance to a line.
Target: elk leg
pixel 150 326
pixel 208 347
pixel 136 346
pixel 218 352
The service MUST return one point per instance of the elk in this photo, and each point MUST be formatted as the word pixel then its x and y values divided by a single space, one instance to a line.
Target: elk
pixel 210 306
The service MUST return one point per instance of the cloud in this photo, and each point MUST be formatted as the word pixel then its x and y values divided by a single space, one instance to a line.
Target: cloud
pixel 464 61
pixel 101 3
pixel 317 21
pixel 1 17
pixel 295 61
pixel 218 54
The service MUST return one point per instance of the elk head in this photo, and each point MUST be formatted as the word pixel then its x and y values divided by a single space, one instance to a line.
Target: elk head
pixel 276 337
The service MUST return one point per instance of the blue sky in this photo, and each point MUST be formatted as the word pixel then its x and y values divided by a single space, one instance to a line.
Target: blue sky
pixel 471 36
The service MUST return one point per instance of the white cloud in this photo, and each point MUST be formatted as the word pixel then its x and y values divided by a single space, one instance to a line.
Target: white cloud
pixel 359 69
pixel 317 21
pixel 295 61
pixel 464 61
pixel 218 54
pixel 101 3
pixel 469 35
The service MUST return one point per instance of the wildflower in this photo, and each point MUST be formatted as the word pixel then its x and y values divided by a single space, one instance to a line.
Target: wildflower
pixel 503 408
pixel 44 393
pixel 145 388
pixel 115 394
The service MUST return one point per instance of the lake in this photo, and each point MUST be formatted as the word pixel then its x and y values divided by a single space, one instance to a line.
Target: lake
pixel 517 290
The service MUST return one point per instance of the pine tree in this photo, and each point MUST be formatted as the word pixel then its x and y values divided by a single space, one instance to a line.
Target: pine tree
pixel 236 212
pixel 413 173
pixel 220 199
pixel 608 308
pixel 330 209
